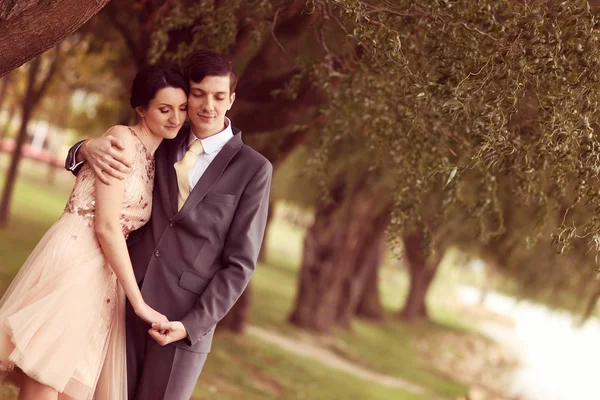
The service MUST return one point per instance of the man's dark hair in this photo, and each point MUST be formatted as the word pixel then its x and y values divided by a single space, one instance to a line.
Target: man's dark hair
pixel 203 63
pixel 150 80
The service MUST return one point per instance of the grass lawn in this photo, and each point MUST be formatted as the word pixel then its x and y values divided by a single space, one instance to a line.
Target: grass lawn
pixel 37 202
pixel 386 348
pixel 245 368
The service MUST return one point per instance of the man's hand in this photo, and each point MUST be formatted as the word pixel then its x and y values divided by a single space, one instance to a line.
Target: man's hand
pixel 105 156
pixel 167 332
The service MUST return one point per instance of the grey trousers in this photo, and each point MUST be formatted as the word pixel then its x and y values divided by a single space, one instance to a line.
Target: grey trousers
pixel 155 372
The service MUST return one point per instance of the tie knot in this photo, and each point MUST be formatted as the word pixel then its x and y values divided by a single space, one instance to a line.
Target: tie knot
pixel 196 147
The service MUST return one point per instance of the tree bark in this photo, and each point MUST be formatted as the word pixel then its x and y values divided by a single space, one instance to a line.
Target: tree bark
pixel 30 27
pixel 318 264
pixel 272 68
pixel 369 306
pixel 422 270
pixel 11 115
pixel 361 290
pixel 236 319
pixel 489 281
pixel 369 302
pixel 5 82
pixel 332 265
pixel 262 255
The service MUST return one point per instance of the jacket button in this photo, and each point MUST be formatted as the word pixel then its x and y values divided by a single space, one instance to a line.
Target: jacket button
pixel 157 253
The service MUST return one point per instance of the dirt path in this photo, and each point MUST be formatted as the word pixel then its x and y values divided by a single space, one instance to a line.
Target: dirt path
pixel 332 360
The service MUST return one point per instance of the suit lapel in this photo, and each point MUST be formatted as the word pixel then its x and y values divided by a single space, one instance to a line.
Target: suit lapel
pixel 210 176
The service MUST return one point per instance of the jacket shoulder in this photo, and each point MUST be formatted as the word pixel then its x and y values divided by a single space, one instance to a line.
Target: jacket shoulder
pixel 252 156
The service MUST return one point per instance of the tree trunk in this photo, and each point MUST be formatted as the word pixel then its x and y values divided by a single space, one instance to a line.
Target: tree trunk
pixel 30 27
pixel 6 126
pixel 11 174
pixel 361 288
pixel 5 82
pixel 274 66
pixel 489 281
pixel 422 270
pixel 369 305
pixel 52 139
pixel 32 97
pixel 590 307
pixel 332 265
pixel 262 255
pixel 236 319
pixel 317 270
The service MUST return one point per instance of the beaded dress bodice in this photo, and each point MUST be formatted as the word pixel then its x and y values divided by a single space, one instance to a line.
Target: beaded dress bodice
pixel 137 198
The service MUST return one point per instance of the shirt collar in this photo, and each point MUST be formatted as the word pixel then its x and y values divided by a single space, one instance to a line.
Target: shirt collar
pixel 214 142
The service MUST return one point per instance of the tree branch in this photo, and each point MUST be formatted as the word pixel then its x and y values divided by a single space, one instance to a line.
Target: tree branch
pixel 37 28
pixel 130 40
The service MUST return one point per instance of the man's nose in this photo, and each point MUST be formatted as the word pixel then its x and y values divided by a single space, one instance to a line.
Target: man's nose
pixel 209 104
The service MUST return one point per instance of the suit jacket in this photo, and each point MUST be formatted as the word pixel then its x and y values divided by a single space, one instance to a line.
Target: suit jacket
pixel 193 264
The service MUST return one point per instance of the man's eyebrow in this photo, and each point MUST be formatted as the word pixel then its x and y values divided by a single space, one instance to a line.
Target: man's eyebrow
pixel 202 90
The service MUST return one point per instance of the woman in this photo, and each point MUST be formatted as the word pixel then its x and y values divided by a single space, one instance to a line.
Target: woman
pixel 62 332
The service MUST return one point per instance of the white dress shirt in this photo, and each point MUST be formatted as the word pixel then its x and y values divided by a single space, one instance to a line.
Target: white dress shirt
pixel 211 145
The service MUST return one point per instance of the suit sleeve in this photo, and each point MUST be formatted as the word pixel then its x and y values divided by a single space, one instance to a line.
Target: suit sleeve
pixel 239 258
pixel 71 163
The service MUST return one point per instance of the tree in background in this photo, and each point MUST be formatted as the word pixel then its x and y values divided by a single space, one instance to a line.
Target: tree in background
pixel 8 88
pixel 39 74
pixel 52 81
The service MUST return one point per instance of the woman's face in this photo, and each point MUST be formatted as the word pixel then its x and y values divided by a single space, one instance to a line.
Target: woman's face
pixel 166 112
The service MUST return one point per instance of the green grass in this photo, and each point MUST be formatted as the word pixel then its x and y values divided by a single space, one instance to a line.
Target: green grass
pixel 246 368
pixel 387 347
pixel 35 206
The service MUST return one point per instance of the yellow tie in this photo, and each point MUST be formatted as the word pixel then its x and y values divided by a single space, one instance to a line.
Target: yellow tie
pixel 183 168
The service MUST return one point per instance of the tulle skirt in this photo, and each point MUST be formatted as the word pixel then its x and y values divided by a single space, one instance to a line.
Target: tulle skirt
pixel 62 320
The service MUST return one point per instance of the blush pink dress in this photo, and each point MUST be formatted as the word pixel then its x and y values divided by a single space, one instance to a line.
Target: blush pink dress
pixel 62 320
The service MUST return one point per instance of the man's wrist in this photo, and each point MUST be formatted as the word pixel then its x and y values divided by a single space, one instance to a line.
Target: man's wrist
pixel 185 333
pixel 82 153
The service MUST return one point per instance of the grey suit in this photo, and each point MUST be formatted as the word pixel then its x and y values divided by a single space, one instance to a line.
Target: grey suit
pixel 192 265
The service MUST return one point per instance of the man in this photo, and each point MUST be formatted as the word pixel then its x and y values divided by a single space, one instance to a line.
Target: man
pixel 196 255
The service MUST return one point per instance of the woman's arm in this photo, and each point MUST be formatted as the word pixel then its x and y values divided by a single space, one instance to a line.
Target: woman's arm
pixel 109 197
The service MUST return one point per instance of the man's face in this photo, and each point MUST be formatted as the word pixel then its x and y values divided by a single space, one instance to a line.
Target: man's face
pixel 208 102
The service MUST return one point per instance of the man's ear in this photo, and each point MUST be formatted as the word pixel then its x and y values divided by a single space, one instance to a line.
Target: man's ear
pixel 231 100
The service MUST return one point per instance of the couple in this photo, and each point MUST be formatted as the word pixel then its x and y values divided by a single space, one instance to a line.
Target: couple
pixel 120 298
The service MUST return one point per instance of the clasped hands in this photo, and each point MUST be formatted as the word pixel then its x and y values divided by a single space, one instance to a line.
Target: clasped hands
pixel 162 330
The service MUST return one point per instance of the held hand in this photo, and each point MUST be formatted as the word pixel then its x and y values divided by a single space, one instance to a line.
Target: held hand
pixel 167 332
pixel 105 156
pixel 150 315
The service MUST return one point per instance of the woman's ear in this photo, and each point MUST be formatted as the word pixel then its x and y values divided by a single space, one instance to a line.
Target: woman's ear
pixel 140 111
